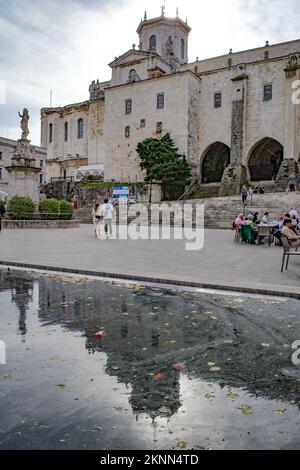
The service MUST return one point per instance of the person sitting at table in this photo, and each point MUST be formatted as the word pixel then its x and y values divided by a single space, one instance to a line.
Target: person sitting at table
pixel 290 234
pixel 293 213
pixel 250 222
pixel 239 221
pixel 256 218
pixel 265 219
pixel 294 221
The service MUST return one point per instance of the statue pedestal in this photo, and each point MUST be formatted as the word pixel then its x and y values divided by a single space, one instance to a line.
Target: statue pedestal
pixel 23 172
pixel 234 177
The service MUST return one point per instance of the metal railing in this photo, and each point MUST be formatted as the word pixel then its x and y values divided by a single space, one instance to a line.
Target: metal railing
pixel 61 179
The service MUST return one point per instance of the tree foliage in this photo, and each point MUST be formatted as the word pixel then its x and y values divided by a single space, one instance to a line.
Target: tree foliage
pixel 162 162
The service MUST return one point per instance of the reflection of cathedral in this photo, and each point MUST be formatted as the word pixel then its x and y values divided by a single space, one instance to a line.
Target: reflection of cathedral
pixel 148 330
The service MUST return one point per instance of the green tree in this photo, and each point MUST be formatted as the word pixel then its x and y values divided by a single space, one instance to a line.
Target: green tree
pixel 162 162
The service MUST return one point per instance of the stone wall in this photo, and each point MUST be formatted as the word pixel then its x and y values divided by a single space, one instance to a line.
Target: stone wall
pixel 40 224
pixel 88 197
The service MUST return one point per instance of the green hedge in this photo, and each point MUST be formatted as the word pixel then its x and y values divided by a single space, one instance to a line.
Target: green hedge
pixel 66 210
pixel 49 209
pixel 20 208
pixel 55 209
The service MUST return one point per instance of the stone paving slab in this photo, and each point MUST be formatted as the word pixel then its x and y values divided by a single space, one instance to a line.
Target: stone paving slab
pixel 221 263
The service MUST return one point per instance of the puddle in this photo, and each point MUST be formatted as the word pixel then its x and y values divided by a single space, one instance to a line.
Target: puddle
pixel 175 366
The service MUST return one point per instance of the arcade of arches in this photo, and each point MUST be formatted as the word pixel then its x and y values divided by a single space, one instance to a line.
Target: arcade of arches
pixel 264 161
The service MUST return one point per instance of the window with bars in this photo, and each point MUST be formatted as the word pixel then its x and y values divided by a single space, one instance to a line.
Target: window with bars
pixel 217 100
pixel 268 92
pixel 160 101
pixel 0 173
pixel 128 107
pixel 127 131
pixel 1 153
pixel 143 123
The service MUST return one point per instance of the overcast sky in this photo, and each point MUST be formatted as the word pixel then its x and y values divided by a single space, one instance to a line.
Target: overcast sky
pixel 65 44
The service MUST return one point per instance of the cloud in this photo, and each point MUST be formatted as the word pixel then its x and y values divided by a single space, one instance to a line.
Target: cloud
pixel 65 44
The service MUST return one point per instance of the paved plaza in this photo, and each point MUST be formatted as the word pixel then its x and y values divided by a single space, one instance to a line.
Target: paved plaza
pixel 220 264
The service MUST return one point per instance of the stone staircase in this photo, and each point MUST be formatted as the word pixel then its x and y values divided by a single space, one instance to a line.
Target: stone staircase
pixel 221 211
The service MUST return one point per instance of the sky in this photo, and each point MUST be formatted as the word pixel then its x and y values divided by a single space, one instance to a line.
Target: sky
pixel 62 45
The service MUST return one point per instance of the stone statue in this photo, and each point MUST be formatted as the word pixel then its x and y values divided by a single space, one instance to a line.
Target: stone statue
pixel 169 47
pixel 24 123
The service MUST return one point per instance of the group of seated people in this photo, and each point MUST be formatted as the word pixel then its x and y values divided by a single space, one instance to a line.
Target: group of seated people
pixel 288 225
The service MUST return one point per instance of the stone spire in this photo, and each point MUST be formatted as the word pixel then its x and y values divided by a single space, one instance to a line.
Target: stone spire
pixel 145 15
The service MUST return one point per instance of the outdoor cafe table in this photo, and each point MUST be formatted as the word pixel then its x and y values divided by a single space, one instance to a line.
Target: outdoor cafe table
pixel 267 231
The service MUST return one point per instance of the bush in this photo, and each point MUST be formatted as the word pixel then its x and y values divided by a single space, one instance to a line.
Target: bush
pixel 20 208
pixel 49 209
pixel 66 210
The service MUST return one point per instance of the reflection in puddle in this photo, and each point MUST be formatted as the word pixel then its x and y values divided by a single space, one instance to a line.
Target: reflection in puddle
pixel 169 366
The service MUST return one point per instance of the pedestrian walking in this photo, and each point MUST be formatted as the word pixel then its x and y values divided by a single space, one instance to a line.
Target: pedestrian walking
pixel 75 202
pixel 292 183
pixel 2 213
pixel 107 211
pixel 244 193
pixel 97 218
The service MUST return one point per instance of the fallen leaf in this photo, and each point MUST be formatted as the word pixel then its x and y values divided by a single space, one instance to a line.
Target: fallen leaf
pixel 178 366
pixel 61 386
pixel 165 410
pixel 211 364
pixel 232 396
pixel 279 412
pixel 7 376
pixel 215 369
pixel 182 445
pixel 100 334
pixel 159 376
pixel 208 396
pixel 247 410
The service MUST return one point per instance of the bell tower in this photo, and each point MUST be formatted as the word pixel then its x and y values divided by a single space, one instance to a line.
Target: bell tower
pixel 168 37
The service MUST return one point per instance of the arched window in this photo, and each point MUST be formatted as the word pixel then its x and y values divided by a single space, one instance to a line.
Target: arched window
pixel 133 76
pixel 66 131
pixel 152 43
pixel 50 133
pixel 182 49
pixel 80 128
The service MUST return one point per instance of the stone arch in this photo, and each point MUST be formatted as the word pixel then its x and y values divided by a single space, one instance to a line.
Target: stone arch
pixel 265 159
pixel 214 161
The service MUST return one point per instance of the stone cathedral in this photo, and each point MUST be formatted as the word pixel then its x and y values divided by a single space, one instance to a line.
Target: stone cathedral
pixel 235 116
